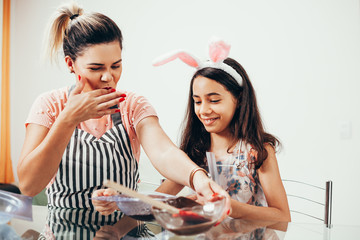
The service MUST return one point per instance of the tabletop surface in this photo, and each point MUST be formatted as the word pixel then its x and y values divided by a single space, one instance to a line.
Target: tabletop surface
pixel 228 229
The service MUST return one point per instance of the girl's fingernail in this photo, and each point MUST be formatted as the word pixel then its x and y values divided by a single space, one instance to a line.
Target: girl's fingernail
pixel 228 212
pixel 215 194
pixel 117 110
pixel 121 99
pixel 216 224
pixel 113 90
pixel 123 95
pixel 79 77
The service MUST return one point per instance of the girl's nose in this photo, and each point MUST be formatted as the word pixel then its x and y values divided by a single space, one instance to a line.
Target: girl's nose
pixel 106 77
pixel 205 108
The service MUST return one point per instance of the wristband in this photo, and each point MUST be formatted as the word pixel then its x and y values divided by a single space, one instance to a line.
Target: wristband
pixel 191 177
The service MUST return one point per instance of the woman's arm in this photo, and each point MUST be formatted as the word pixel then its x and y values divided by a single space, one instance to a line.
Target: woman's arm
pixel 173 163
pixel 43 148
pixel 41 155
pixel 166 157
pixel 270 180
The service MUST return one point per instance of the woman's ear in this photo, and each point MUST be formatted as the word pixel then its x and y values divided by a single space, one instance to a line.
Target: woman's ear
pixel 70 63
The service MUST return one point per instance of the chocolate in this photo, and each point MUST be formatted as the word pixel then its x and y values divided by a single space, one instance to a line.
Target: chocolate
pixel 182 202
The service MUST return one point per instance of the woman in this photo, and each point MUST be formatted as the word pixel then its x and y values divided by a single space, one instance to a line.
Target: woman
pixel 76 137
pixel 223 118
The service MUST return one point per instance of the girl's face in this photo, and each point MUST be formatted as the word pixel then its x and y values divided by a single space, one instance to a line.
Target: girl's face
pixel 214 105
pixel 100 65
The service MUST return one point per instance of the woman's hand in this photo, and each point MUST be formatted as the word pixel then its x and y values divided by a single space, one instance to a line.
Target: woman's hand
pixel 82 106
pixel 104 207
pixel 207 190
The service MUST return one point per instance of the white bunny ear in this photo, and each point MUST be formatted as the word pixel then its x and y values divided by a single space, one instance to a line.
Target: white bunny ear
pixel 218 50
pixel 181 54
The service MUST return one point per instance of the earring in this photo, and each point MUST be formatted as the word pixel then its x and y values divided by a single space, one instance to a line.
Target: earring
pixel 71 70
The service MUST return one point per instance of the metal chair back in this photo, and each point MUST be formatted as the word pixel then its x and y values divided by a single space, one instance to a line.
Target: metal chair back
pixel 299 194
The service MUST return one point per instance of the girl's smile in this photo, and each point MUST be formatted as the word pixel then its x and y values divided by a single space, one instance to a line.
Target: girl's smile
pixel 213 104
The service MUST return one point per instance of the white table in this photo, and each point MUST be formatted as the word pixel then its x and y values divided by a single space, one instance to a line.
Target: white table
pixel 294 231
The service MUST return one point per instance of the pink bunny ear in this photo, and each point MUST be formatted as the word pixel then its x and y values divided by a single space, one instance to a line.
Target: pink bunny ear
pixel 182 55
pixel 218 50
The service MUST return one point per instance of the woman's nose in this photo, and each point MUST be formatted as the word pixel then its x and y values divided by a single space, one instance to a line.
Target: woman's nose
pixel 106 77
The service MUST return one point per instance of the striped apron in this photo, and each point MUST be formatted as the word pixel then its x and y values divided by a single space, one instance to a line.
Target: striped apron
pixel 85 164
pixel 88 161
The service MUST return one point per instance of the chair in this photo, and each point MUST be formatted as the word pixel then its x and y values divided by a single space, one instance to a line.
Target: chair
pixel 310 200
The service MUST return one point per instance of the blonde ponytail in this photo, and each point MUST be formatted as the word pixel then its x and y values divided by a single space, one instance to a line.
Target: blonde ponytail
pixel 58 25
pixel 74 30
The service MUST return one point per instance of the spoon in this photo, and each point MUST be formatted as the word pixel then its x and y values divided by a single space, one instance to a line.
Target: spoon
pixel 188 216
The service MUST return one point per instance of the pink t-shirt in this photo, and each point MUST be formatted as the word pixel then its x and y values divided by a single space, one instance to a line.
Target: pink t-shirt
pixel 48 106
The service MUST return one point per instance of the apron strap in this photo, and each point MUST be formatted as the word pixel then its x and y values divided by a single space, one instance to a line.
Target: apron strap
pixel 116 117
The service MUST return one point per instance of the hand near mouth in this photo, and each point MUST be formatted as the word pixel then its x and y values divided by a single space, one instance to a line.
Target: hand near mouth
pixel 82 106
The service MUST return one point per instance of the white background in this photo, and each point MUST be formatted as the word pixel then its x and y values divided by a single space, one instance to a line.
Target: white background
pixel 302 58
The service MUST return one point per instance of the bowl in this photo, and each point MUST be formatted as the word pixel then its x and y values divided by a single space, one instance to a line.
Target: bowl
pixel 134 207
pixel 9 205
pixel 205 217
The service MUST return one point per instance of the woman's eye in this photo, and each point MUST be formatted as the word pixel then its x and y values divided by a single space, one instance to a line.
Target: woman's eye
pixel 95 69
pixel 215 101
pixel 115 67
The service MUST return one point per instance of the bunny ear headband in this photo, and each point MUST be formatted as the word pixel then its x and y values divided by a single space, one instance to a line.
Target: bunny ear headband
pixel 218 51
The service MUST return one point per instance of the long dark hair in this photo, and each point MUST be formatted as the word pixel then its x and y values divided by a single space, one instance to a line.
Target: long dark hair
pixel 246 123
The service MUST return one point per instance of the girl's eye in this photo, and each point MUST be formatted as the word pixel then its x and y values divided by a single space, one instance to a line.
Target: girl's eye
pixel 215 101
pixel 115 67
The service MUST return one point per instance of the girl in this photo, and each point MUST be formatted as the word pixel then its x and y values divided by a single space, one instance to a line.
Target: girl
pixel 223 118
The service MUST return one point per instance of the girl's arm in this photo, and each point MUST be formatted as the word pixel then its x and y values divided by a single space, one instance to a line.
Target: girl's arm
pixel 270 180
pixel 170 187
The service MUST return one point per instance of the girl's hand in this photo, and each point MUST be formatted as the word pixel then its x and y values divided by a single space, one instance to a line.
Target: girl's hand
pixel 208 190
pixel 82 106
pixel 104 207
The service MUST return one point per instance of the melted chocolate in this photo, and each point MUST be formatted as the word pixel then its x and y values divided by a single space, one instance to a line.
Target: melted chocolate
pixel 182 202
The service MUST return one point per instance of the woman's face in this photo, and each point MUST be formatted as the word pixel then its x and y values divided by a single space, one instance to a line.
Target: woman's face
pixel 99 66
pixel 214 105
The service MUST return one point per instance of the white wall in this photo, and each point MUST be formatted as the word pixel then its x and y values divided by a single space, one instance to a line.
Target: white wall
pixel 302 57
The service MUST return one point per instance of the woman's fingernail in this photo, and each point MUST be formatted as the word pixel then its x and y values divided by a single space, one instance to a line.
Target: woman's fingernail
pixel 123 95
pixel 228 212
pixel 216 224
pixel 121 99
pixel 117 110
pixel 79 77
pixel 215 194
pixel 113 90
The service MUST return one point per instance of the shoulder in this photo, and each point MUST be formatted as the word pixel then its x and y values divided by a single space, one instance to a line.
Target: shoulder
pixel 53 96
pixel 136 107
pixel 270 163
pixel 47 106
pixel 134 98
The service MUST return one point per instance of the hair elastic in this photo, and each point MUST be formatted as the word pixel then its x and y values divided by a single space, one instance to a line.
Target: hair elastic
pixel 218 52
pixel 74 16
